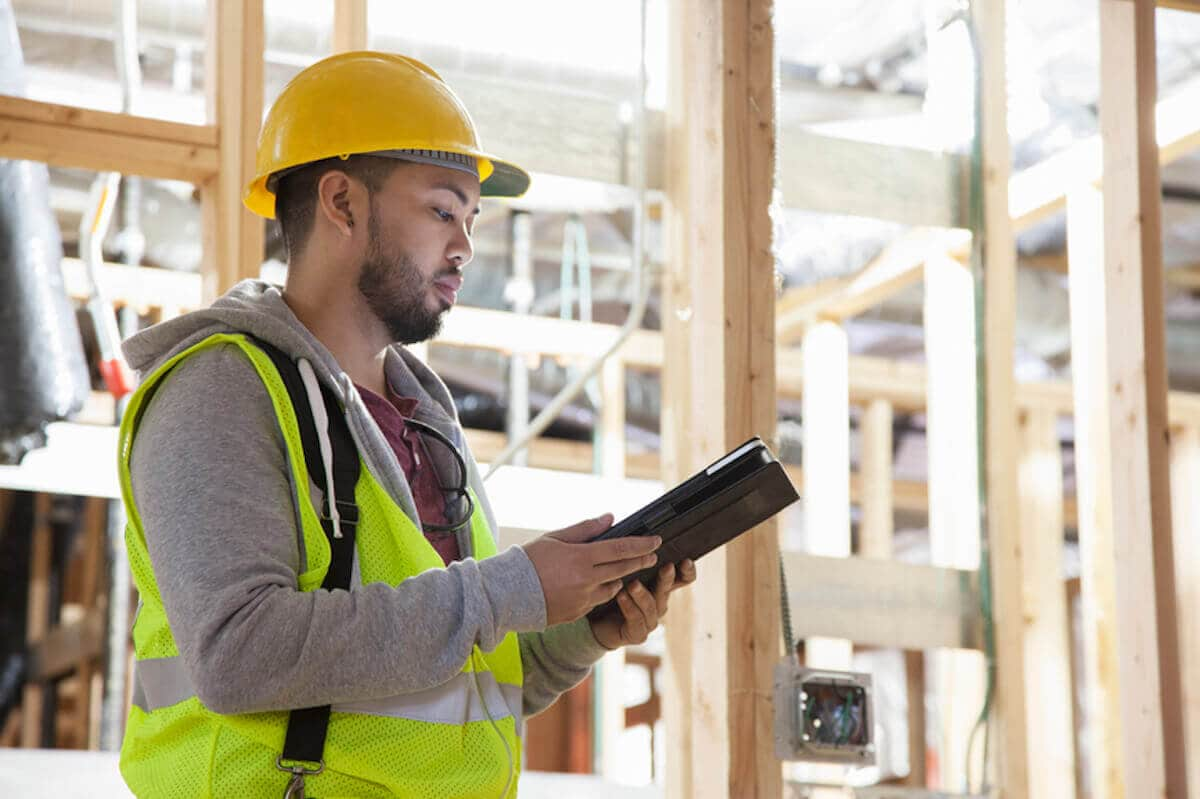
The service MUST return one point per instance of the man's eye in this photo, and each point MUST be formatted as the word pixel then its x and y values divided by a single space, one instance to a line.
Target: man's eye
pixel 445 216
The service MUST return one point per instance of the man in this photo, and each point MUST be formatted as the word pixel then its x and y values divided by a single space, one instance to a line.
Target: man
pixel 272 655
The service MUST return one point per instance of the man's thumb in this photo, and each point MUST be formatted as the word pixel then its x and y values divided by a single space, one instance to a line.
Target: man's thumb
pixel 584 531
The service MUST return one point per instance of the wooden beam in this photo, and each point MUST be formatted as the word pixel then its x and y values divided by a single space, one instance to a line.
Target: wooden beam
pixel 1152 731
pixel 999 252
pixel 876 540
pixel 1041 190
pixel 612 419
pixel 233 237
pixel 952 444
pixel 349 25
pixel 1185 522
pixel 720 182
pixel 560 338
pixel 826 458
pixel 884 603
pixel 876 529
pixel 61 649
pixel 895 268
pixel 901 383
pixel 137 286
pixel 37 618
pixel 1181 5
pixel 841 176
pixel 82 138
pixel 1094 485
pixel 1048 680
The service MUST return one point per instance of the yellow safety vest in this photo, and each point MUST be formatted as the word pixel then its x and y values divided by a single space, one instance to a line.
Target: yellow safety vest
pixel 409 745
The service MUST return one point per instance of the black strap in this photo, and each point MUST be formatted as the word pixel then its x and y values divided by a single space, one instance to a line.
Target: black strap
pixel 307 727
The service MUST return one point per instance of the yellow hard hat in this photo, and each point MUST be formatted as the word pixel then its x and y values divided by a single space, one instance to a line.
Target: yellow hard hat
pixel 368 102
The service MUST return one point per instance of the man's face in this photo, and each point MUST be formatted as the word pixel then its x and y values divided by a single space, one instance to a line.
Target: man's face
pixel 419 232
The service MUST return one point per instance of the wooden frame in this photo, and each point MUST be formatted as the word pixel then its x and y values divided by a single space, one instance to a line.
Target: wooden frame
pixel 723 640
pixel 78 137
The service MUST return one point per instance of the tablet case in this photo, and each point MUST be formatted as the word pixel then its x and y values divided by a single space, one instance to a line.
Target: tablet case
pixel 744 488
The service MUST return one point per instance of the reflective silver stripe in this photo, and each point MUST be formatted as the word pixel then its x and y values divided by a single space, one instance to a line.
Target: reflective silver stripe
pixel 160 682
pixel 453 702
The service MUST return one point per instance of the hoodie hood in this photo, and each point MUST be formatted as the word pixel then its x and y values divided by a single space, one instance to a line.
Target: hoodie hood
pixel 256 308
pixel 252 307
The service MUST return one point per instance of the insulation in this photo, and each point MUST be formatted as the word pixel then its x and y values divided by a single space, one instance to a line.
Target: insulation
pixel 42 367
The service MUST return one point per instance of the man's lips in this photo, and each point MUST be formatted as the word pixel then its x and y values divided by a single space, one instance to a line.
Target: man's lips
pixel 448 286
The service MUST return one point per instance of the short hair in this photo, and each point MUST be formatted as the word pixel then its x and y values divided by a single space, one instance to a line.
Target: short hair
pixel 296 193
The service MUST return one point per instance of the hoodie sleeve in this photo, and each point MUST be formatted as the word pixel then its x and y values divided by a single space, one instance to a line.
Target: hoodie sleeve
pixel 553 660
pixel 212 485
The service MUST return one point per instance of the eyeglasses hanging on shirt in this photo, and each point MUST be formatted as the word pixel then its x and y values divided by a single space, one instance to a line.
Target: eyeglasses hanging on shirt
pixel 459 504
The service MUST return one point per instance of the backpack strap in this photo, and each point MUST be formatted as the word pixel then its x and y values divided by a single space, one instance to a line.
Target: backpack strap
pixel 307 727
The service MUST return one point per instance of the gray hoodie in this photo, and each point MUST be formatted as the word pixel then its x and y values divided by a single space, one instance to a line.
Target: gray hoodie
pixel 212 484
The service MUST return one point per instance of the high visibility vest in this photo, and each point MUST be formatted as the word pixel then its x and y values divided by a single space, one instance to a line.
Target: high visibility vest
pixel 456 739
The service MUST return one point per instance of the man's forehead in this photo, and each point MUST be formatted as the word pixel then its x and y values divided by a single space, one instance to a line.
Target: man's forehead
pixel 462 185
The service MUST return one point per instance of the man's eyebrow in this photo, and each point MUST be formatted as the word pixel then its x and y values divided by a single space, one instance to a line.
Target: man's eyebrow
pixel 457 192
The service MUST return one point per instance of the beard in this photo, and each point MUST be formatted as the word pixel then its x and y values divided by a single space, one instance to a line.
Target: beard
pixel 395 291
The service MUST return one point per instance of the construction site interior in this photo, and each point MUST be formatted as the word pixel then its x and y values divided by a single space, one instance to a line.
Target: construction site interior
pixel 942 256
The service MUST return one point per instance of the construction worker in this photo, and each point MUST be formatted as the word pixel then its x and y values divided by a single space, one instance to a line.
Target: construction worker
pixel 323 607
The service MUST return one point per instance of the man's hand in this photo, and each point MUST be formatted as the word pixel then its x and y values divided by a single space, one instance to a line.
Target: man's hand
pixel 641 611
pixel 578 574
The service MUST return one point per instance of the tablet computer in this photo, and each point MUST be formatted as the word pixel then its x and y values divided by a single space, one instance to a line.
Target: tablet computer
pixel 740 490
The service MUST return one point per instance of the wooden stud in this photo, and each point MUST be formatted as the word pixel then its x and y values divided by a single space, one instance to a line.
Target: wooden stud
pixel 721 375
pixel 951 436
pixel 1000 395
pixel 826 454
pixel 349 25
pixel 1094 485
pixel 233 237
pixel 612 419
pixel 875 540
pixel 1185 522
pixel 878 516
pixel 1047 642
pixel 1150 704
pixel 37 622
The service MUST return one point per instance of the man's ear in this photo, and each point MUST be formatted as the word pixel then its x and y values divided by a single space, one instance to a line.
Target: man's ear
pixel 335 200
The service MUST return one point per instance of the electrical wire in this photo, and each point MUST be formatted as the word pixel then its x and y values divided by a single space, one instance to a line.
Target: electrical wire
pixel 785 613
pixel 512 763
pixel 978 228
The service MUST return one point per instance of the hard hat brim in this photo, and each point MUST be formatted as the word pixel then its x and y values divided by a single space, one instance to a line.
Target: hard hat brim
pixel 506 180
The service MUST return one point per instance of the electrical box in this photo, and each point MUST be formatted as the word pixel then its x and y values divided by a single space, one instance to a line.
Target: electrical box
pixel 823 716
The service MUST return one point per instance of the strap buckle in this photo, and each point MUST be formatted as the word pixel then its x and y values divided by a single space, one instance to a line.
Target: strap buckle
pixel 347 511
pixel 299 770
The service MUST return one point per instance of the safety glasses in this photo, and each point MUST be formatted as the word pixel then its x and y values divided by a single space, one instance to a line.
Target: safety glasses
pixel 459 504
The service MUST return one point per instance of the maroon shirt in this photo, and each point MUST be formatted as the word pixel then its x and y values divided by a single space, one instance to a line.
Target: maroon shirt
pixel 409 445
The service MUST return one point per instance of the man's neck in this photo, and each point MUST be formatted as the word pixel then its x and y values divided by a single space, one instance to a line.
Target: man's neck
pixel 351 333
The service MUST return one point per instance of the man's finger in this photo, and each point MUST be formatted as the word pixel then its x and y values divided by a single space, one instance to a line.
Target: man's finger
pixel 621 568
pixel 606 591
pixel 633 546
pixel 687 572
pixel 635 622
pixel 662 588
pixel 646 604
